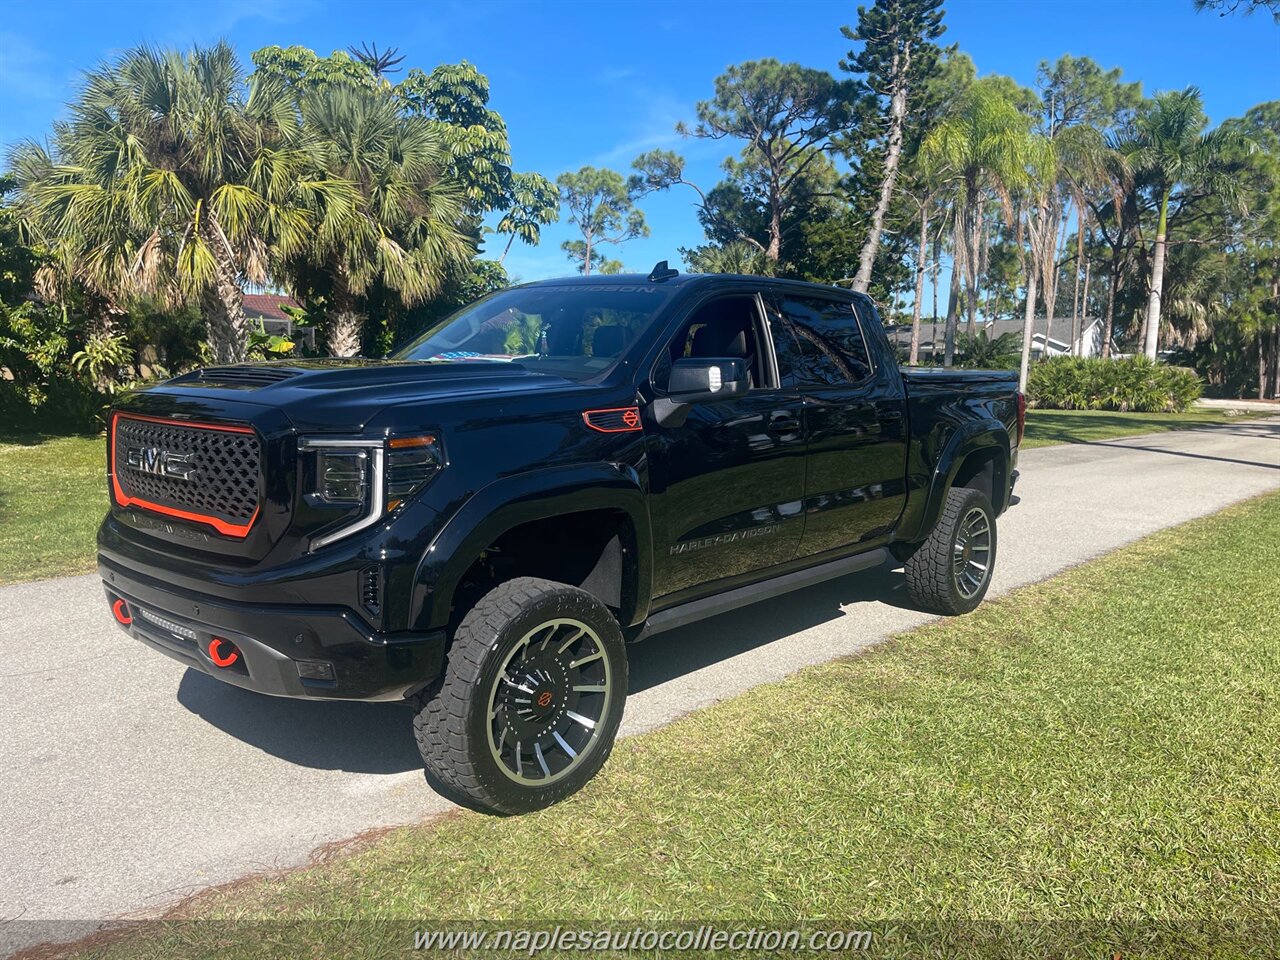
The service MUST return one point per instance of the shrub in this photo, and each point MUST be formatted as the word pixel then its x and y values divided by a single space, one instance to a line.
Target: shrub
pixel 982 352
pixel 1135 385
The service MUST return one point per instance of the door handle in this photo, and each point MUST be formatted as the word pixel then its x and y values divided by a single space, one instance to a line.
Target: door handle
pixel 784 424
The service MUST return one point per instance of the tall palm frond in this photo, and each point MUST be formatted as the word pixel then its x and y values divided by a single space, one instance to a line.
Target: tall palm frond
pixel 405 222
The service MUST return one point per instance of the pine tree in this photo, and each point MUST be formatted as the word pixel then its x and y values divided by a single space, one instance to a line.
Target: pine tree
pixel 897 57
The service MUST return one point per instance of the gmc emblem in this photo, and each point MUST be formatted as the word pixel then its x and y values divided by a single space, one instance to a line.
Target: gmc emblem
pixel 161 463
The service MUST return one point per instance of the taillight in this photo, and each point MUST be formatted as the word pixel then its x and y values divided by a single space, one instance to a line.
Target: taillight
pixel 1022 415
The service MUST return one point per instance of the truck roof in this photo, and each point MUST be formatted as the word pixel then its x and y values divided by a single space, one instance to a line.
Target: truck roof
pixel 690 279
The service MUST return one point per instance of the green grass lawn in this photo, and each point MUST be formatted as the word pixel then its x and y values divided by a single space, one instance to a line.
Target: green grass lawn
pixel 53 493
pixel 1084 768
pixel 1047 427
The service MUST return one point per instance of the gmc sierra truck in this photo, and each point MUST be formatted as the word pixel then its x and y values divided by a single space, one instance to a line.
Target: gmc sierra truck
pixel 479 524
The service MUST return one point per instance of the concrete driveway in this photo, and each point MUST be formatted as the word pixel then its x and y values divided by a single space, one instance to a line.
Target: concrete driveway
pixel 129 782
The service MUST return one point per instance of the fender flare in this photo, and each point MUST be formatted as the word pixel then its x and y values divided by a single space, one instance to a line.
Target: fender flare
pixel 973 437
pixel 535 495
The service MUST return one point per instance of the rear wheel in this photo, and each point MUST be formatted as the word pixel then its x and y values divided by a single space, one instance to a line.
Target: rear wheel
pixel 530 701
pixel 951 571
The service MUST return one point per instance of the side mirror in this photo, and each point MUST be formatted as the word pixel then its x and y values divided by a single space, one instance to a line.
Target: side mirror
pixel 700 380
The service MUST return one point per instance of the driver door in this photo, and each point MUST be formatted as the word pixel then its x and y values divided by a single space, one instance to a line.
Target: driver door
pixel 727 483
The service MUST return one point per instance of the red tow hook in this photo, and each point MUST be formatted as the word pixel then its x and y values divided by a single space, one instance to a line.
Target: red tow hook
pixel 120 610
pixel 221 657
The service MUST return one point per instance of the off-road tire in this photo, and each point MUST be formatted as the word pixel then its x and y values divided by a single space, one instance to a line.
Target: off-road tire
pixel 931 570
pixel 451 717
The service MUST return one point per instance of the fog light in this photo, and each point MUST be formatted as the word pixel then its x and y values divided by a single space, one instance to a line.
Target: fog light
pixel 316 670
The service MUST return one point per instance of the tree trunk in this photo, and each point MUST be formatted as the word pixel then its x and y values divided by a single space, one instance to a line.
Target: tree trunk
pixel 343 333
pixel 921 255
pixel 227 330
pixel 1055 241
pixel 971 226
pixel 893 152
pixel 1274 379
pixel 1085 303
pixel 1151 341
pixel 1275 362
pixel 1263 363
pixel 774 250
pixel 343 325
pixel 1028 328
pixel 984 249
pixel 936 267
pixel 586 260
pixel 1108 326
pixel 1075 295
pixel 953 317
pixel 507 249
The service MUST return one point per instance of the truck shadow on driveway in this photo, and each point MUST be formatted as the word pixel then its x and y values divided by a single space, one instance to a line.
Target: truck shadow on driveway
pixel 669 655
pixel 335 735
pixel 376 737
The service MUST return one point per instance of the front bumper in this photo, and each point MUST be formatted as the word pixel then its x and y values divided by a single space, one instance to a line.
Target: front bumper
pixel 278 644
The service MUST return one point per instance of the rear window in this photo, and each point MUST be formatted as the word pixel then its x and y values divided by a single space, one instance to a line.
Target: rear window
pixel 832 349
pixel 573 330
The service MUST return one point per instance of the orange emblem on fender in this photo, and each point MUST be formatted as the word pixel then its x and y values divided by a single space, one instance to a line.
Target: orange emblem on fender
pixel 613 419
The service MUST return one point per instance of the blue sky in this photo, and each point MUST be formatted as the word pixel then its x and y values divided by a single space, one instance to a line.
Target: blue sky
pixel 598 83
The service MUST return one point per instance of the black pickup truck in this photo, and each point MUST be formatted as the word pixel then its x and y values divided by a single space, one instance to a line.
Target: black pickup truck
pixel 479 524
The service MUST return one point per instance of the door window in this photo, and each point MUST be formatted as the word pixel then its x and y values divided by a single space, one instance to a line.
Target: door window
pixel 725 327
pixel 832 349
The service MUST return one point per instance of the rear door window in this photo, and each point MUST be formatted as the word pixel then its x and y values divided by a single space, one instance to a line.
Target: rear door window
pixel 832 351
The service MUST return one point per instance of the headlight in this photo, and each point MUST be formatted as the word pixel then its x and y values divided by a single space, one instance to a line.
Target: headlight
pixel 342 475
pixel 378 475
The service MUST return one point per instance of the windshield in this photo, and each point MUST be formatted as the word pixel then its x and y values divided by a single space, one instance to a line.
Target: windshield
pixel 574 330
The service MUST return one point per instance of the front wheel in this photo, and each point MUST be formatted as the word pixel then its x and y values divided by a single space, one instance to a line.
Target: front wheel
pixel 530 700
pixel 951 571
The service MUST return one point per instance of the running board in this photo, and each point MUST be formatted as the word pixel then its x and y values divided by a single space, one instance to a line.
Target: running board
pixel 696 610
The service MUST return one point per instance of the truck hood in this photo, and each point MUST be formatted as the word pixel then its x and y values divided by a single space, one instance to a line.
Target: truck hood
pixel 344 395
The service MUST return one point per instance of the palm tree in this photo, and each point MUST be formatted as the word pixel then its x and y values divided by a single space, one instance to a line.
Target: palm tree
pixel 1079 161
pixel 735 257
pixel 925 191
pixel 1041 226
pixel 983 351
pixel 1170 148
pixel 167 178
pixel 380 63
pixel 410 228
pixel 982 147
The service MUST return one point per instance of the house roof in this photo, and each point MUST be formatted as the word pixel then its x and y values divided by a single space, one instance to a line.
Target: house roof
pixel 266 306
pixel 901 333
pixel 1061 328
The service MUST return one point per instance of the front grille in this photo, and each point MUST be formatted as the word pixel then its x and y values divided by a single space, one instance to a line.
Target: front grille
pixel 192 471
pixel 245 376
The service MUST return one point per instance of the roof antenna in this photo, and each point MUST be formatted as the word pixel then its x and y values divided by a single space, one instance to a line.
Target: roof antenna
pixel 662 272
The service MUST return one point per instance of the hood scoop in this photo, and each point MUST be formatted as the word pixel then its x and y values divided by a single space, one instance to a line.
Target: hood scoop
pixel 245 377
